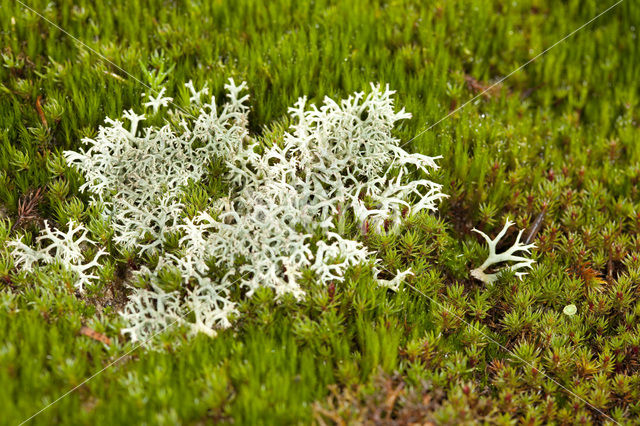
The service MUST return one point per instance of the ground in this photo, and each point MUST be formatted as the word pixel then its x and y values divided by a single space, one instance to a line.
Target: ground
pixel 556 141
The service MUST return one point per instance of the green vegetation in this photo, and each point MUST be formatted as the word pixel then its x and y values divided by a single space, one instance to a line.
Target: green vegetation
pixel 557 138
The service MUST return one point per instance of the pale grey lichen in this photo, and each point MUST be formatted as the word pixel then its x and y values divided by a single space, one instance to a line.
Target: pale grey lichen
pixel 66 248
pixel 506 256
pixel 337 157
pixel 158 101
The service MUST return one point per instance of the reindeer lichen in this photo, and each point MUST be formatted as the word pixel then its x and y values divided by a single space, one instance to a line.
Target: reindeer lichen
pixel 506 256
pixel 336 157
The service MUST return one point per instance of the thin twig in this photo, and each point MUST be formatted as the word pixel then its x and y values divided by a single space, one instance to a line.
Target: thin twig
pixel 27 206
pixel 537 224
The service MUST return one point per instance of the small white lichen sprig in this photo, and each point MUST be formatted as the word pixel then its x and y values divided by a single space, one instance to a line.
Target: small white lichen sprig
pixel 506 256
pixel 66 248
pixel 394 283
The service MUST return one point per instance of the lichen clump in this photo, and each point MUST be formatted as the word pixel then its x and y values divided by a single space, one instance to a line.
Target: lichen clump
pixel 338 158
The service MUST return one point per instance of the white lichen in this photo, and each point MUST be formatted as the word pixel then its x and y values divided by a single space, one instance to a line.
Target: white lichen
pixel 394 283
pixel 340 156
pixel 140 179
pixel 66 248
pixel 506 256
pixel 159 101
